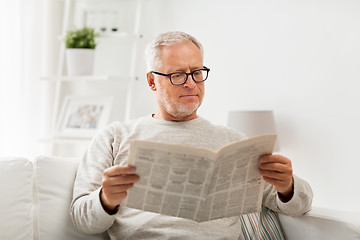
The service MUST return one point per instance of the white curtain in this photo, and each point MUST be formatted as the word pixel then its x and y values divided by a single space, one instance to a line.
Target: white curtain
pixel 21 58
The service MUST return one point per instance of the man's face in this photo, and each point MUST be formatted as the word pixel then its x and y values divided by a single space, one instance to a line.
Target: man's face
pixel 178 102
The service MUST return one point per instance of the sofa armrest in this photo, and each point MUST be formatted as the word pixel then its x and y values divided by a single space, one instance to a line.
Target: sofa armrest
pixel 322 223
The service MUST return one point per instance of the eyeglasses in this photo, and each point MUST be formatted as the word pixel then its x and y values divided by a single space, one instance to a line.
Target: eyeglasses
pixel 179 78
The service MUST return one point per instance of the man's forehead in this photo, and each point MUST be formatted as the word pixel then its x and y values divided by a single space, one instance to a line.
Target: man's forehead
pixel 180 57
pixel 182 66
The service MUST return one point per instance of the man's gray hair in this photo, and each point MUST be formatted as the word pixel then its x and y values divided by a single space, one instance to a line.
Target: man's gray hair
pixel 153 61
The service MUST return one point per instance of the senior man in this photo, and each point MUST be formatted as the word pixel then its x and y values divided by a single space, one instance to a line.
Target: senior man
pixel 176 73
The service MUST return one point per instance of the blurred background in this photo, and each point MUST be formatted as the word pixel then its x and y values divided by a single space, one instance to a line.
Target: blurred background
pixel 299 59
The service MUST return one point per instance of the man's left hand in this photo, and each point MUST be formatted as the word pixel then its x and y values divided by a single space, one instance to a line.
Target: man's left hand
pixel 277 170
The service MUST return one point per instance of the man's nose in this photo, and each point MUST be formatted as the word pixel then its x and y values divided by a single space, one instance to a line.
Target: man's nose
pixel 190 83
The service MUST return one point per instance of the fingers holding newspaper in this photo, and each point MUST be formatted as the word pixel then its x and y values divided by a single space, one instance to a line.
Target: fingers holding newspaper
pixel 277 170
pixel 116 181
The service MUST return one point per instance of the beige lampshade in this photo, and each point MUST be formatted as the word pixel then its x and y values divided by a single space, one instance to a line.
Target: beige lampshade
pixel 254 123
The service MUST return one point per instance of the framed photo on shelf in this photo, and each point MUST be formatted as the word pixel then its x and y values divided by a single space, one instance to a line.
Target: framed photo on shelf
pixel 81 117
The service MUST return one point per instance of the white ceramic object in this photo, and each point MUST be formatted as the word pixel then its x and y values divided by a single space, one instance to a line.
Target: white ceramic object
pixel 80 61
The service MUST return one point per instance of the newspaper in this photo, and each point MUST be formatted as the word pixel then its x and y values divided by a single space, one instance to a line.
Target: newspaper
pixel 198 184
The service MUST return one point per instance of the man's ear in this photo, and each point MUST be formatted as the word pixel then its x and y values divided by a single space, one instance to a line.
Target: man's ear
pixel 151 81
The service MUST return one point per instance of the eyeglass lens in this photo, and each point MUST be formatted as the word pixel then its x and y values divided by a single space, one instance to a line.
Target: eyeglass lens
pixel 198 76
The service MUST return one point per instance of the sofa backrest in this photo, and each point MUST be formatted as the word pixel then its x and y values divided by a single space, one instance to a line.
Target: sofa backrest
pixel 35 199
pixel 54 178
pixel 16 189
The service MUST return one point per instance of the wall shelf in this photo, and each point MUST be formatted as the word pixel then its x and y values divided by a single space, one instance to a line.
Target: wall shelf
pixel 84 78
pixel 122 36
pixel 114 70
pixel 65 140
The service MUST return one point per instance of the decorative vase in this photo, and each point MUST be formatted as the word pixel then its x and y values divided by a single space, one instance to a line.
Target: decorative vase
pixel 80 61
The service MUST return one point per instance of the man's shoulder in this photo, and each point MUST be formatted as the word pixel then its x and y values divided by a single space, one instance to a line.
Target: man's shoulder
pixel 117 127
pixel 130 122
pixel 224 131
pixel 224 128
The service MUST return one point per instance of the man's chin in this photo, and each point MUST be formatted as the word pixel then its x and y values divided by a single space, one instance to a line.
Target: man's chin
pixel 184 111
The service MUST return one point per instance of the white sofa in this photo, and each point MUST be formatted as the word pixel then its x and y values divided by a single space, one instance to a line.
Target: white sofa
pixel 35 199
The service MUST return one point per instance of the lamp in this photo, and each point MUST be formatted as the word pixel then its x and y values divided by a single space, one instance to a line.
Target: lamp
pixel 253 123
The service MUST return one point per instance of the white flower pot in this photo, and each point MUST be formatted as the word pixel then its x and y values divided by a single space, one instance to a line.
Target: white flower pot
pixel 80 61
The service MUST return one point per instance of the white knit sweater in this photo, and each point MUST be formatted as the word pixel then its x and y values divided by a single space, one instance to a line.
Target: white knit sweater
pixel 110 147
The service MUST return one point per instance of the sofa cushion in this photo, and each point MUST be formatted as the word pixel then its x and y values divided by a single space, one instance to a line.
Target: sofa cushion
pixel 322 223
pixel 16 198
pixel 54 178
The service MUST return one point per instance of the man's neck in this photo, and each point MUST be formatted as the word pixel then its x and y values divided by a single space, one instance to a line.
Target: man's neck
pixel 169 117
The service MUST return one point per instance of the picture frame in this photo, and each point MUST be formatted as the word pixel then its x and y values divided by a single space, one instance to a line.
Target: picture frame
pixel 83 116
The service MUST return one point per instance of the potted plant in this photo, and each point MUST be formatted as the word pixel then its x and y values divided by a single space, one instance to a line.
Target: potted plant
pixel 80 51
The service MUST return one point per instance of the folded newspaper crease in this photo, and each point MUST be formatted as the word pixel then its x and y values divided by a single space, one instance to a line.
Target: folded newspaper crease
pixel 198 184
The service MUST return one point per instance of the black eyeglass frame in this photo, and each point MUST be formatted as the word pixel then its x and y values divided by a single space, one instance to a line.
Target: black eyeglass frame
pixel 187 75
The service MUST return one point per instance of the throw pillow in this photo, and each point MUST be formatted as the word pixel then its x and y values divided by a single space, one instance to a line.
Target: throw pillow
pixel 264 225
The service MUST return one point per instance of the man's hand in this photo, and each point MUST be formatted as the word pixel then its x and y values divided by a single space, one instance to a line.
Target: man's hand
pixel 116 181
pixel 277 170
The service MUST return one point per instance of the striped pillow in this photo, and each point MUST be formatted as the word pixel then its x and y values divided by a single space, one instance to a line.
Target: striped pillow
pixel 264 225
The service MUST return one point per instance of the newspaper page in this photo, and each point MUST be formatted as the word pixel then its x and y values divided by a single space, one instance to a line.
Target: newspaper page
pixel 198 184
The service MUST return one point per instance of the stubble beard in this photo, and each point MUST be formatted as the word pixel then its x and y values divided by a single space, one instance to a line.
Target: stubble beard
pixel 178 110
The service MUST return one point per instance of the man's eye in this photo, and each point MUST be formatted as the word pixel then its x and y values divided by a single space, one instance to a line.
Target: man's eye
pixel 176 75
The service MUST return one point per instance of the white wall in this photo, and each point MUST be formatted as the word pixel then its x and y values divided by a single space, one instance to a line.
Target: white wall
pixel 300 58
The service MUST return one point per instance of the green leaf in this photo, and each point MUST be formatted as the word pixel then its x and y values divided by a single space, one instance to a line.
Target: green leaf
pixel 81 38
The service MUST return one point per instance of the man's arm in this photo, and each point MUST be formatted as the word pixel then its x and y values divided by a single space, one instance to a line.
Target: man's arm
pixel 92 207
pixel 95 212
pixel 284 192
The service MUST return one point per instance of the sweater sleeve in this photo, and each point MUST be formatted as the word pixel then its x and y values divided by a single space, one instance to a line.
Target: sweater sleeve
pixel 86 210
pixel 299 204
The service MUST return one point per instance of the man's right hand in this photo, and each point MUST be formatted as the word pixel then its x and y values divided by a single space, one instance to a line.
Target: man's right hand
pixel 116 181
